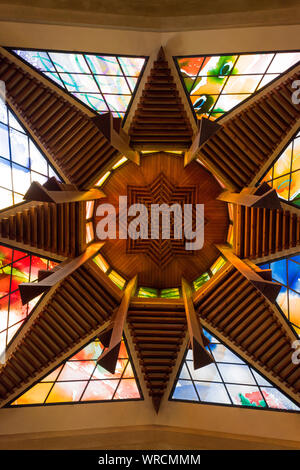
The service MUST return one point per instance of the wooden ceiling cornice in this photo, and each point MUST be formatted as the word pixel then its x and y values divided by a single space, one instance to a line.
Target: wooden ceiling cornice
pixel 233 309
pixel 252 135
pixel 160 121
pixel 74 311
pixel 62 127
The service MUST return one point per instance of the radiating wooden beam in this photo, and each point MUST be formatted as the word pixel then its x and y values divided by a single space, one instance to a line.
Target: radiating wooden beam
pixel 38 192
pixel 119 140
pixel 30 290
pixel 207 128
pixel 268 288
pixel 108 360
pixel 268 200
pixel 201 357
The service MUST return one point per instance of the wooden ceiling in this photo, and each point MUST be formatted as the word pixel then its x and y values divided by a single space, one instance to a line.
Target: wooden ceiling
pixel 162 178
pixel 80 302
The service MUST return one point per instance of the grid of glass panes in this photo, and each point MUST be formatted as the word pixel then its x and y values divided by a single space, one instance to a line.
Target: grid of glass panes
pixel 217 83
pixel 16 267
pixel 287 272
pixel 227 381
pixel 284 175
pixel 81 379
pixel 21 162
pixel 102 82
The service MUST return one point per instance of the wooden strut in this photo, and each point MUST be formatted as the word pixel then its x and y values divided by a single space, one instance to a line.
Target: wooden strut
pixel 37 192
pixel 258 278
pixel 108 360
pixel 201 357
pixel 30 290
pixel 262 197
pixel 118 139
pixel 207 128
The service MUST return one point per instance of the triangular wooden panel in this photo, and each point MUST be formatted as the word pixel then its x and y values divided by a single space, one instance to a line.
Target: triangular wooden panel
pixel 158 328
pixel 45 227
pixel 262 232
pixel 66 134
pixel 244 320
pixel 253 134
pixel 69 316
pixel 160 121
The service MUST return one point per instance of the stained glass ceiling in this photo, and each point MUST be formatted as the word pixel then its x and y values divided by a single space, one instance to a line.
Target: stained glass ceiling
pixel 21 162
pixel 287 272
pixel 101 82
pixel 217 83
pixel 81 379
pixel 228 381
pixel 284 175
pixel 16 267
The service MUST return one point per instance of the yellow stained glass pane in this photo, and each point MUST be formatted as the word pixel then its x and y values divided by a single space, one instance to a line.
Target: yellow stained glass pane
pixel 35 395
pixel 101 263
pixel 89 209
pixel 117 279
pixel 282 186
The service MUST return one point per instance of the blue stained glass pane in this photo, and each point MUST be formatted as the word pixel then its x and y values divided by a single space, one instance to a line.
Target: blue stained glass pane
pixel 294 275
pixel 21 178
pixel 3 112
pixel 185 391
pixel 184 374
pixel 209 372
pixel 233 373
pixel 37 160
pixel 5 174
pixel 296 258
pixel 279 272
pixel 4 146
pixel 14 123
pixel 54 76
pixel 223 354
pixel 94 101
pixel 19 148
pixel 212 393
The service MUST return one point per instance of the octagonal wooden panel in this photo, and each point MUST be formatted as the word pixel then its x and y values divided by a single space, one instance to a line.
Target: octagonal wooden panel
pixel 161 177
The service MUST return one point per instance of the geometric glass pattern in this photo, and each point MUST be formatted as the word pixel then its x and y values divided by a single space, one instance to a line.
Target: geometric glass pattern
pixel 80 379
pixel 284 175
pixel 16 267
pixel 217 83
pixel 102 82
pixel 227 381
pixel 20 160
pixel 286 271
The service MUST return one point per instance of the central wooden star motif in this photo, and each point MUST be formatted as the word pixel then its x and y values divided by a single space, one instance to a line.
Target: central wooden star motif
pixel 161 191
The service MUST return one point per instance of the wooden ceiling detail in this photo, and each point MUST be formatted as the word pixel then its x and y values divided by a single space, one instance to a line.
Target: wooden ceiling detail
pixel 201 357
pixel 66 134
pixel 160 121
pixel 233 309
pixel 260 232
pixel 264 197
pixel 109 358
pixel 161 191
pixel 45 228
pixel 253 134
pixel 158 328
pixel 68 317
pixel 192 183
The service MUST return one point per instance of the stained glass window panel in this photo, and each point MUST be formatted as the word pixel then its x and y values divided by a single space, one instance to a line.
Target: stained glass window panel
pixel 101 82
pixel 227 381
pixel 21 162
pixel 284 175
pixel 81 379
pixel 287 272
pixel 216 84
pixel 16 267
